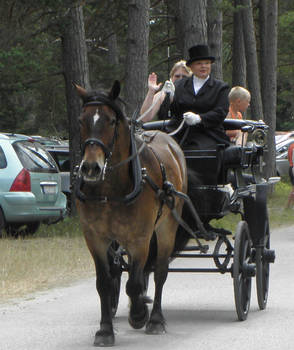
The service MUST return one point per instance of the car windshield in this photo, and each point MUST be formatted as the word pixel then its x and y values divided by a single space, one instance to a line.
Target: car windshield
pixel 34 157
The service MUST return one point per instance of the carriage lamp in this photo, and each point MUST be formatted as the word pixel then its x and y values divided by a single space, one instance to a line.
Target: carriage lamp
pixel 259 137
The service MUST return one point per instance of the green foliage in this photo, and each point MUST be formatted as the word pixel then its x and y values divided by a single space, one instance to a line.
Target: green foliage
pixel 285 104
pixel 32 96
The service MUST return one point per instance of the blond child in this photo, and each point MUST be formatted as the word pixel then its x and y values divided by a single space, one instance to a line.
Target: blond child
pixel 239 99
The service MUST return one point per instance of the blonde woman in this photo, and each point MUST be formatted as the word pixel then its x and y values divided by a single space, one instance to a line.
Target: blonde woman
pixel 159 99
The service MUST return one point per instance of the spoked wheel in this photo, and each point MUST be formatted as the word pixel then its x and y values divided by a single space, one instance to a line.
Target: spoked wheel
pixel 264 256
pixel 243 270
pixel 115 271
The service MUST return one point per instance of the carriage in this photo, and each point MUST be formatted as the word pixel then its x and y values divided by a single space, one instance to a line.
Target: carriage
pixel 135 170
pixel 245 253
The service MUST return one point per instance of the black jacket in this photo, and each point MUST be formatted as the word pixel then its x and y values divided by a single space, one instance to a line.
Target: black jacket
pixel 211 103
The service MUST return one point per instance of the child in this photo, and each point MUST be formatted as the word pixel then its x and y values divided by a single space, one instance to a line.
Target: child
pixel 239 99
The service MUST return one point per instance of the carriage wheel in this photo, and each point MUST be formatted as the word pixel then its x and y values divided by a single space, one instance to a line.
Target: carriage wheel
pixel 243 270
pixel 264 256
pixel 115 271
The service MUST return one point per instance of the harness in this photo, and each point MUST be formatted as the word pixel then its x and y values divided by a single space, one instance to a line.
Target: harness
pixel 133 158
pixel 166 194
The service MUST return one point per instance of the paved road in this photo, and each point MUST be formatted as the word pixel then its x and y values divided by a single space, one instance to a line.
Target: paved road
pixel 199 310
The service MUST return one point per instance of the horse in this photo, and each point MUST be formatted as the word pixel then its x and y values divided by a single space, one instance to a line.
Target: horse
pixel 116 203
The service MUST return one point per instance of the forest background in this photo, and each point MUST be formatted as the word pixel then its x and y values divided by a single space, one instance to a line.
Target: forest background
pixel 45 45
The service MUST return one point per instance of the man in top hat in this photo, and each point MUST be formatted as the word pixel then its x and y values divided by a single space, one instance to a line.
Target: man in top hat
pixel 203 103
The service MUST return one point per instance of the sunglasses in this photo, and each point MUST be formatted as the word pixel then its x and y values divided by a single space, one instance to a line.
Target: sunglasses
pixel 177 76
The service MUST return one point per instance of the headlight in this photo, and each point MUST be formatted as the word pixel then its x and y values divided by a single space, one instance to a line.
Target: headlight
pixel 259 137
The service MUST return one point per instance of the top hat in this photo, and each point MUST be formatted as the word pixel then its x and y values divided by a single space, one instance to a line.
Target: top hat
pixel 199 52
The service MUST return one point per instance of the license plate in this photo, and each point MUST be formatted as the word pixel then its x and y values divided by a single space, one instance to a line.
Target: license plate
pixel 49 189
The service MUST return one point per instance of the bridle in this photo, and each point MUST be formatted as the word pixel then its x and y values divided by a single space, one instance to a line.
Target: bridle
pixel 99 100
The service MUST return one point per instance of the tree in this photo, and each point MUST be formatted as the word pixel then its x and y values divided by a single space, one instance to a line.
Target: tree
pixel 251 60
pixel 268 58
pixel 214 32
pixel 75 66
pixel 239 60
pixel 192 24
pixel 137 54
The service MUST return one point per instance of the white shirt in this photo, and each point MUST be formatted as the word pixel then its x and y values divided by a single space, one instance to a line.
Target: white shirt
pixel 198 83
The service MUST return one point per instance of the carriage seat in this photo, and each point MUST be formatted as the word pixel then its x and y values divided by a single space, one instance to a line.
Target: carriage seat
pixel 220 160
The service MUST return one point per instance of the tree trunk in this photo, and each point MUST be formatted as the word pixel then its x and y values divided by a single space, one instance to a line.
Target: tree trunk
pixel 75 66
pixel 251 60
pixel 191 24
pixel 137 54
pixel 214 31
pixel 112 50
pixel 239 61
pixel 268 38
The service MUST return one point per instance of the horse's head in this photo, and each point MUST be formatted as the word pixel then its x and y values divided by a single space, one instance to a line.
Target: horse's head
pixel 99 123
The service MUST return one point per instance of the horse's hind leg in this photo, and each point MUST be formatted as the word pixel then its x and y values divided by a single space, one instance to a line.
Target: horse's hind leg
pixel 138 314
pixel 165 242
pixel 105 335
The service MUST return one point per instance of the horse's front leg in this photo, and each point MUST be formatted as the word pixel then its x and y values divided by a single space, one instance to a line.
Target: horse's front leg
pixel 165 243
pixel 138 315
pixel 105 335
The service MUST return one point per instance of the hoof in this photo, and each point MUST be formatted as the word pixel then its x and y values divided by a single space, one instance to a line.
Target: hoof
pixel 155 328
pixel 103 338
pixel 139 321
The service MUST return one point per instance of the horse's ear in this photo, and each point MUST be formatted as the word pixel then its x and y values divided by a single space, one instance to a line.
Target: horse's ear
pixel 115 90
pixel 80 90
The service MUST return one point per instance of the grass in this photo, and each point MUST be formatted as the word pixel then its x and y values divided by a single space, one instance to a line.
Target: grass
pixel 58 255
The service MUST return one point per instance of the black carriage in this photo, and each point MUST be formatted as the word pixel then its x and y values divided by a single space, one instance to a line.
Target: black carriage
pixel 240 189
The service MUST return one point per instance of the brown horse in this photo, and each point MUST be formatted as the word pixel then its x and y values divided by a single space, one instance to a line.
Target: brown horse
pixel 114 208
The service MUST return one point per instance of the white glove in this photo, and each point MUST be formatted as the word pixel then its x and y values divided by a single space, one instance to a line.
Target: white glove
pixel 191 118
pixel 169 88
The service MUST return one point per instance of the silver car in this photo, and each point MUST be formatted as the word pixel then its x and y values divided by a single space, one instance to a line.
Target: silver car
pixel 30 186
pixel 282 163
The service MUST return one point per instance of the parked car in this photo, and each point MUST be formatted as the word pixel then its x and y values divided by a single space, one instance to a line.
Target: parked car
pixel 282 163
pixel 282 136
pixel 60 153
pixel 30 185
pixel 48 141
